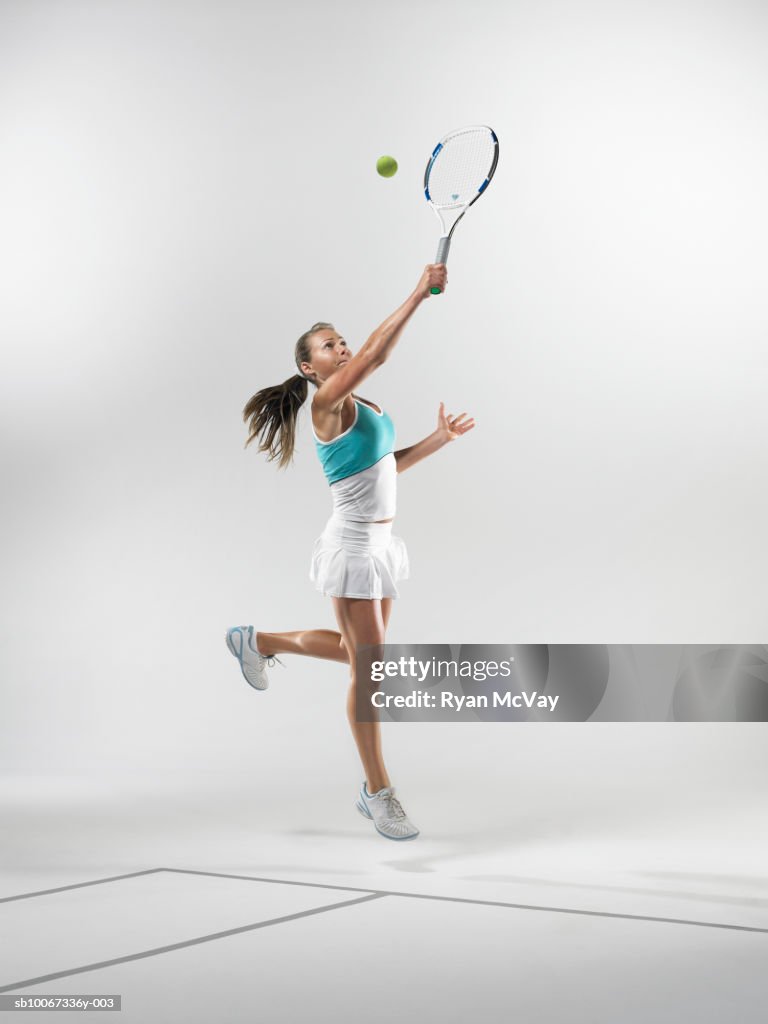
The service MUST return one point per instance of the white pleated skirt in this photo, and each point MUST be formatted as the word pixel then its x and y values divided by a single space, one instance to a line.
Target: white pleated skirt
pixel 363 560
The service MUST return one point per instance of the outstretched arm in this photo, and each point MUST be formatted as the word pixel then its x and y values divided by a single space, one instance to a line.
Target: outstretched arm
pixel 379 346
pixel 448 429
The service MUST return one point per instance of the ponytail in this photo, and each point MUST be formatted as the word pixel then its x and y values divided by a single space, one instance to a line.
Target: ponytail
pixel 273 412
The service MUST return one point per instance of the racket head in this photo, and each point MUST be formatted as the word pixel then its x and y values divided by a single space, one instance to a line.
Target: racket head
pixel 461 167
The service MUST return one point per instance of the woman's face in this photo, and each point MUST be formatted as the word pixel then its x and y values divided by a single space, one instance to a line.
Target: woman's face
pixel 329 352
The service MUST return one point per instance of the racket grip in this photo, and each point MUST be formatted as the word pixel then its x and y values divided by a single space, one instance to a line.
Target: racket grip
pixel 442 257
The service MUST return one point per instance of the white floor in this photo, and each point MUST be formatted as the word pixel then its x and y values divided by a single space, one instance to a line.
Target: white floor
pixel 200 914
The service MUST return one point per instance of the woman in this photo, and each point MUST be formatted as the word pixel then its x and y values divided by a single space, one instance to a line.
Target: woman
pixel 357 561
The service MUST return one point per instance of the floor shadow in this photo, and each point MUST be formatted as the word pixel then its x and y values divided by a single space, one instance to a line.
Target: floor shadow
pixel 678 894
pixel 753 880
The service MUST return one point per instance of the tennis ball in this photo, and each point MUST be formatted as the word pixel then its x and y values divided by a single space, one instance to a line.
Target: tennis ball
pixel 386 166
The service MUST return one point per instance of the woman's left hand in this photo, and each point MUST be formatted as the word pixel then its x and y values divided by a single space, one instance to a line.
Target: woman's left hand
pixel 449 427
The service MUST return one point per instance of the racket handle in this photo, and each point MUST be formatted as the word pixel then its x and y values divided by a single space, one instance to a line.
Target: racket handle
pixel 442 257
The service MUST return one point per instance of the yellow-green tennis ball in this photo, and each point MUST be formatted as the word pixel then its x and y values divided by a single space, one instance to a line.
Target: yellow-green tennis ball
pixel 386 166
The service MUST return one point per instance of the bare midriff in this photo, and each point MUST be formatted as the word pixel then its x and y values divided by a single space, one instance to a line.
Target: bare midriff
pixel 385 520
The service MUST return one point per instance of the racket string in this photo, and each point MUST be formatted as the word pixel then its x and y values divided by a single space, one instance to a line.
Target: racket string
pixel 460 168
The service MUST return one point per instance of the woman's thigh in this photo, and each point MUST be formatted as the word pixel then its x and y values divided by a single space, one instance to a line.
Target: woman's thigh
pixel 360 621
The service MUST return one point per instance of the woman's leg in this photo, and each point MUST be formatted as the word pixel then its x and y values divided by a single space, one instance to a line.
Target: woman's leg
pixel 364 622
pixel 314 643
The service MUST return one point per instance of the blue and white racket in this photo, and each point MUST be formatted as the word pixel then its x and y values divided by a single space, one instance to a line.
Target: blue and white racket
pixel 459 171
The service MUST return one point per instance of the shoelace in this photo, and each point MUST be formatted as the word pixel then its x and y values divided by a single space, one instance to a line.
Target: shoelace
pixel 271 659
pixel 394 808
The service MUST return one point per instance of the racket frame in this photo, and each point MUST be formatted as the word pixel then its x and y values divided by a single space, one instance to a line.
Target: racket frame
pixel 444 244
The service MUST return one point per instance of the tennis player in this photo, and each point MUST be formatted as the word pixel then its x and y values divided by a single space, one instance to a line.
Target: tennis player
pixel 357 561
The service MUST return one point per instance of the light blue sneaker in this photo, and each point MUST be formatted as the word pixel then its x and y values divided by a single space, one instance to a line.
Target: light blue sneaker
pixel 386 812
pixel 241 641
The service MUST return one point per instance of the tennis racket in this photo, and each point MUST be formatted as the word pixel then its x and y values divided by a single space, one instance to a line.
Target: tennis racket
pixel 459 171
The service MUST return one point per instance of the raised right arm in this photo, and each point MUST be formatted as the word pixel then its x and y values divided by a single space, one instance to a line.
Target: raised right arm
pixel 377 349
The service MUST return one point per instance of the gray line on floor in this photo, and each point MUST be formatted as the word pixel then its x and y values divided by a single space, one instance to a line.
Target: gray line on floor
pixel 79 885
pixel 586 913
pixel 485 903
pixel 272 881
pixel 184 945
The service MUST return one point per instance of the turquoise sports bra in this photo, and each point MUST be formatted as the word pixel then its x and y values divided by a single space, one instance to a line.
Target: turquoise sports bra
pixel 370 438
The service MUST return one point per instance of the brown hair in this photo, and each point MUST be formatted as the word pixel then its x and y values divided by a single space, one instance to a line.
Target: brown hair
pixel 273 411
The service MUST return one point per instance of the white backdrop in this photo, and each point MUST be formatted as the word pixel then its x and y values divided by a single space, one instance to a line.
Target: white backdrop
pixel 186 187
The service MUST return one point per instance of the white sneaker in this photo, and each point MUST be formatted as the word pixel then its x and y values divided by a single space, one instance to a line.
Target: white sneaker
pixel 387 814
pixel 241 641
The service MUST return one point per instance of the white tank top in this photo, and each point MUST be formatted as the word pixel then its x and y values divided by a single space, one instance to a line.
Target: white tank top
pixel 367 496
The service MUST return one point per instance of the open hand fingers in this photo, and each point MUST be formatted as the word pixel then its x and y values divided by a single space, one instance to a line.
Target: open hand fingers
pixel 462 428
pixel 455 424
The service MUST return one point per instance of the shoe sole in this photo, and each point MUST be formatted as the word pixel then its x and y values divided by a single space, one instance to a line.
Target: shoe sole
pixel 367 814
pixel 231 648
